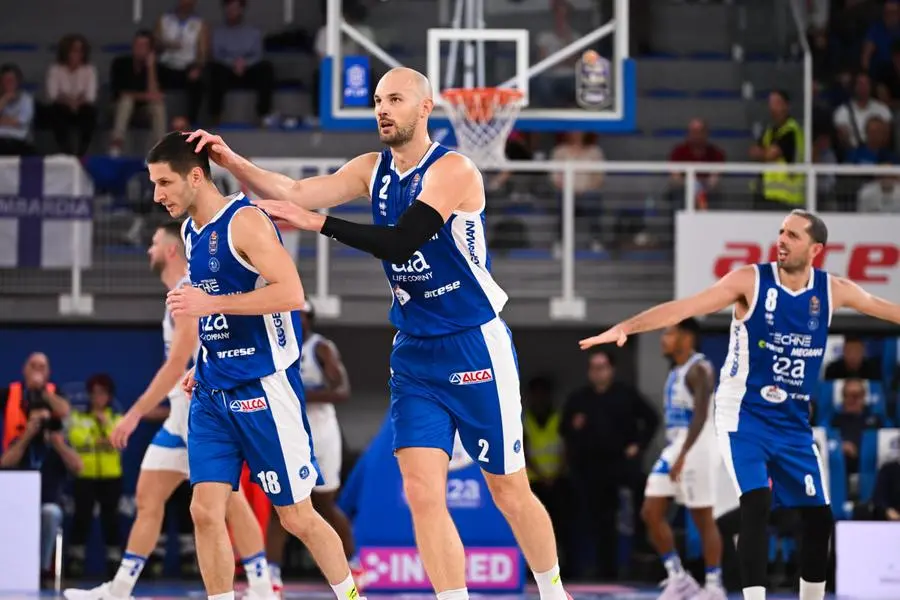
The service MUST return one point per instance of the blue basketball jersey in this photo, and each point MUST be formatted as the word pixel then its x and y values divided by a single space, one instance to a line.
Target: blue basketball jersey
pixel 235 349
pixel 679 400
pixel 446 286
pixel 774 355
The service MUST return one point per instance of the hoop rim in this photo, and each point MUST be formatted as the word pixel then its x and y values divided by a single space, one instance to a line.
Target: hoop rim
pixel 500 95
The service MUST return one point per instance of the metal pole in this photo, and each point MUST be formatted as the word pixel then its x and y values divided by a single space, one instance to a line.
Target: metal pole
pixel 568 233
pixel 453 56
pixel 480 23
pixel 323 254
pixel 469 48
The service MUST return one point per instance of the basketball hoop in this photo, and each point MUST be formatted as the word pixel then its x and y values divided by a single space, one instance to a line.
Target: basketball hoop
pixel 482 119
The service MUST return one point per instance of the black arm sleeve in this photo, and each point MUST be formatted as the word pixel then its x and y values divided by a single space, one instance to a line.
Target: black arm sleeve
pixel 395 244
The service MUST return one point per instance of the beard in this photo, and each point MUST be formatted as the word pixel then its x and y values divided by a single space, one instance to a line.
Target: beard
pixel 792 265
pixel 399 136
pixel 157 266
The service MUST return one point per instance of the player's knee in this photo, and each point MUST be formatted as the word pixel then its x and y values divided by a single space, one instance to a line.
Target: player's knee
pixel 300 520
pixel 148 505
pixel 755 506
pixel 425 495
pixel 817 523
pixel 206 516
pixel 511 493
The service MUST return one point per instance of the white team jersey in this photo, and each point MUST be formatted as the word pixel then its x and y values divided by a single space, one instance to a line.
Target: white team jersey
pixel 679 401
pixel 313 377
pixel 178 412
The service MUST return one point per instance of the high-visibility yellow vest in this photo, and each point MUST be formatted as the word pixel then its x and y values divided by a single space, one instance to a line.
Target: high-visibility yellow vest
pixel 101 461
pixel 545 448
pixel 787 188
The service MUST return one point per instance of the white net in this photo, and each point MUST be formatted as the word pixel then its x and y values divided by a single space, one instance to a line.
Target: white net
pixel 482 119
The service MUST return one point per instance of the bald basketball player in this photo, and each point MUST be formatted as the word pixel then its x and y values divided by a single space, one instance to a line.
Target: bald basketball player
pixel 453 361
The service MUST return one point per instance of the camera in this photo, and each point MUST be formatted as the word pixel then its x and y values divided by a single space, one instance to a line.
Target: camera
pixel 36 401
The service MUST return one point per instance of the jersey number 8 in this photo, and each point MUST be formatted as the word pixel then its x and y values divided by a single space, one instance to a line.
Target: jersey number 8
pixel 771 299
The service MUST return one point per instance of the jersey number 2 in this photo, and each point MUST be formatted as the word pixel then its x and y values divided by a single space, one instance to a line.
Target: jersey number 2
pixel 482 456
pixel 795 369
pixel 385 182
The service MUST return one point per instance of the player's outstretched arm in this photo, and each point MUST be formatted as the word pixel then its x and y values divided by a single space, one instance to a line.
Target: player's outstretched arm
pixel 735 286
pixel 845 293
pixel 451 183
pixel 349 183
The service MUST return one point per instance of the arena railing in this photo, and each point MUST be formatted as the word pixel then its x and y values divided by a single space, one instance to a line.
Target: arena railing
pixel 624 188
pixel 137 10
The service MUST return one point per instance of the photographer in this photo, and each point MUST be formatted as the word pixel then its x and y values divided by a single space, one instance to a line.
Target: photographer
pixel 33 440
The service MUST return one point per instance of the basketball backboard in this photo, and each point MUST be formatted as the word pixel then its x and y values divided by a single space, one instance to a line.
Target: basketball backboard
pixel 570 58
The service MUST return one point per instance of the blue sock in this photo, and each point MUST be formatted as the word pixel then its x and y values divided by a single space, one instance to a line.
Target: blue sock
pixel 672 563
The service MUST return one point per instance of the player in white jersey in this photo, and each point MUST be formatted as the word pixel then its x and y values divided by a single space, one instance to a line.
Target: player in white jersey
pixel 165 464
pixel 325 383
pixel 453 361
pixel 782 311
pixel 687 466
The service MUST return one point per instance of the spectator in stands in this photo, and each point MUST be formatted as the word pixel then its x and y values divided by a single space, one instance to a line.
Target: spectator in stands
pixel 31 412
pixel 781 142
pixel 851 117
pixel 887 86
pixel 72 92
pixel 852 420
pixel 134 83
pixel 874 150
pixel 16 113
pixel 355 14
pixel 606 427
pixel 880 196
pixel 880 38
pixel 555 87
pixel 543 444
pixel 697 148
pixel 886 497
pixel 580 146
pixel 183 40
pixel 823 154
pixel 237 62
pixel 853 363
pixel 100 481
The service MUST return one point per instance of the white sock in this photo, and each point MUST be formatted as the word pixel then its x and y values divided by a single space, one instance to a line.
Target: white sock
pixel 672 563
pixel 811 591
pixel 713 577
pixel 757 592
pixel 275 572
pixel 550 584
pixel 225 596
pixel 346 590
pixel 258 578
pixel 126 577
pixel 460 594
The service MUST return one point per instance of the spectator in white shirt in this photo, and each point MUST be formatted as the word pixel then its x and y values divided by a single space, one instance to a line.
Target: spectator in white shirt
pixel 72 92
pixel 850 118
pixel 555 88
pixel 16 113
pixel 881 195
pixel 579 146
pixel 182 42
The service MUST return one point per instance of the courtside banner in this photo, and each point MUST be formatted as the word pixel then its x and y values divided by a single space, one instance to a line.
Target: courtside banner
pixel 709 245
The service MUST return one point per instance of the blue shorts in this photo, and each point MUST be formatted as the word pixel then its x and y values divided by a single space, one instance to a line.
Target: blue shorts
pixel 261 422
pixel 792 461
pixel 466 382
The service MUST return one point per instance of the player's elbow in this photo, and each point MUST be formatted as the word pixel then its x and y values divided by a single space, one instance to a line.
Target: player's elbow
pixel 293 297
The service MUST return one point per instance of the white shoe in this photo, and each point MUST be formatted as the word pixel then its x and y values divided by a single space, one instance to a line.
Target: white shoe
pixel 712 593
pixel 101 592
pixel 680 587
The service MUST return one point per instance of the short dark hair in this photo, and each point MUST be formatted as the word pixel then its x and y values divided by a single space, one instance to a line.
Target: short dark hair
pixel 172 228
pixel 12 68
pixel 783 95
pixel 174 150
pixel 610 357
pixel 690 325
pixel 816 227
pixel 103 380
pixel 145 33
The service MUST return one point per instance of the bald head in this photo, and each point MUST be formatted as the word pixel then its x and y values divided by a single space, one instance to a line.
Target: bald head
pixel 403 102
pixel 405 79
